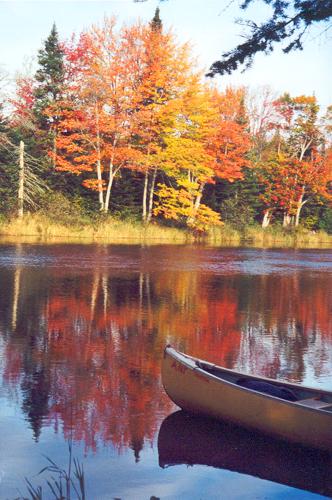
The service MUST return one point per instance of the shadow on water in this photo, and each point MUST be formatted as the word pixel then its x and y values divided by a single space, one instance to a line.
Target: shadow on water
pixel 192 440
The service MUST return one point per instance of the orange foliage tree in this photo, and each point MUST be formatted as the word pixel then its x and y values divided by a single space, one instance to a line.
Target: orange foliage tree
pixel 163 75
pixel 97 121
pixel 118 104
pixel 298 168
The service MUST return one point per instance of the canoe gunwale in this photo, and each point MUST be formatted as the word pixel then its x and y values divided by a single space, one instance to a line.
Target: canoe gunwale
pixel 197 391
pixel 197 365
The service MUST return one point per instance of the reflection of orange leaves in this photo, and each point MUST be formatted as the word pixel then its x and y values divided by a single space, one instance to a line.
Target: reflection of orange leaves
pixel 105 338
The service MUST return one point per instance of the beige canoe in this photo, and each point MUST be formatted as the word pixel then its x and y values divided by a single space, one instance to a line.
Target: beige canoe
pixel 204 388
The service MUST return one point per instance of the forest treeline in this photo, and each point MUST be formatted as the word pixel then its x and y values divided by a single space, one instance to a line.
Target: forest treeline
pixel 120 121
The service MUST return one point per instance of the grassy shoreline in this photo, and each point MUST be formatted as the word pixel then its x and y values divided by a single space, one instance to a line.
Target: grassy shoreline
pixel 39 228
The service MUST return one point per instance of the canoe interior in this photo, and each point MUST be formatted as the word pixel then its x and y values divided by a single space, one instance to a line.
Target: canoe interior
pixel 312 398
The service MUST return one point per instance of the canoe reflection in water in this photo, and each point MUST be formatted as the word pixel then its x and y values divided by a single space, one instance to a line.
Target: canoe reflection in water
pixel 192 440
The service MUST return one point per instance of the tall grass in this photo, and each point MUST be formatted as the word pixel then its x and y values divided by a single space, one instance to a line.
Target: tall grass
pixel 273 236
pixel 39 227
pixel 63 484
pixel 110 230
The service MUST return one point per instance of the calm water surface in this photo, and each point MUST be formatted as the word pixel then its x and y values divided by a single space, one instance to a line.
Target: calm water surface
pixel 82 329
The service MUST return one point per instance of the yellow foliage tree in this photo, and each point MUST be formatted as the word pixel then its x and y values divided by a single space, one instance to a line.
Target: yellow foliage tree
pixel 179 205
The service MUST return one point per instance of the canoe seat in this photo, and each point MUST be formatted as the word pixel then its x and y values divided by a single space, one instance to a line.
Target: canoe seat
pixel 314 403
pixel 277 391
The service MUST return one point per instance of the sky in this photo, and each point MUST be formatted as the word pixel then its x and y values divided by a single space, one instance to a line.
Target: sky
pixel 208 24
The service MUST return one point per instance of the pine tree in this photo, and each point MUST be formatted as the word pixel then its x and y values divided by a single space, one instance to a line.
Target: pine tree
pixel 50 77
pixel 8 167
pixel 156 23
pixel 48 92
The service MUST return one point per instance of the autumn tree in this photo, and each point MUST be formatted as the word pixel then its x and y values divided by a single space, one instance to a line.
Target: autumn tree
pixel 96 121
pixel 230 142
pixel 185 159
pixel 209 142
pixel 22 119
pixel 163 76
pixel 297 169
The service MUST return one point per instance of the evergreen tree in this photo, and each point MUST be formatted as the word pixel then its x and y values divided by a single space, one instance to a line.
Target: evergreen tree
pixel 50 77
pixel 48 92
pixel 156 23
pixel 8 167
pixel 289 22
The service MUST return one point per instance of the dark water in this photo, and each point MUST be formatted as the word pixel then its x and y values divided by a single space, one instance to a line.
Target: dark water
pixel 82 329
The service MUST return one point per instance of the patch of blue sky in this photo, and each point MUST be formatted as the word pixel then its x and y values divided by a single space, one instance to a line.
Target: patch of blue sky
pixel 208 24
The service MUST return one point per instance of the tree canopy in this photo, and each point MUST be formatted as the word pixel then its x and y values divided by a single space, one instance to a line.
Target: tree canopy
pixel 289 21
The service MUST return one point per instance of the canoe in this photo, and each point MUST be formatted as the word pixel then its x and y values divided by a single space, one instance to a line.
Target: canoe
pixel 204 388
pixel 194 440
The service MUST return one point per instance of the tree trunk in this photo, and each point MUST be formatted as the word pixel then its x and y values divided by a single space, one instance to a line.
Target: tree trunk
pixel 145 195
pixel 153 182
pixel 99 174
pixel 266 218
pixel 108 191
pixel 287 220
pixel 299 208
pixel 197 203
pixel 109 187
pixel 100 186
pixel 21 181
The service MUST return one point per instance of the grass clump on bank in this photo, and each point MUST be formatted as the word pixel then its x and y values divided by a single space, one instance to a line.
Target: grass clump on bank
pixel 274 236
pixel 47 228
pixel 106 229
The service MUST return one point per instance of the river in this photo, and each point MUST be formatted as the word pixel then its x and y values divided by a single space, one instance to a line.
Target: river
pixel 82 331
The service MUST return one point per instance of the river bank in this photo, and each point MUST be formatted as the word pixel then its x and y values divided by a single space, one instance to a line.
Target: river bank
pixel 38 227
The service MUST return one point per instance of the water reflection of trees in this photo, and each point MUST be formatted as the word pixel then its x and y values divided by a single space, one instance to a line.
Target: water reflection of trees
pixel 84 348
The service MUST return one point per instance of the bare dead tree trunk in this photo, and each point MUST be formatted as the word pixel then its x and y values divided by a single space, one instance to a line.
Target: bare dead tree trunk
pixel 21 181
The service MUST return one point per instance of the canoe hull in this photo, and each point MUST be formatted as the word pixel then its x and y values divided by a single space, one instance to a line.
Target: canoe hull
pixel 193 390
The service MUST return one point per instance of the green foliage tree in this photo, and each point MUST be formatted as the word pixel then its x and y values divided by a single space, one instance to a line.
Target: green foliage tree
pixel 156 23
pixel 325 222
pixel 8 168
pixel 50 77
pixel 289 21
pixel 48 90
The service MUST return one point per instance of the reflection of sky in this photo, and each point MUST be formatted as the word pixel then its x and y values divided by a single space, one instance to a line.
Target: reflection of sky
pixel 224 261
pixel 112 475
